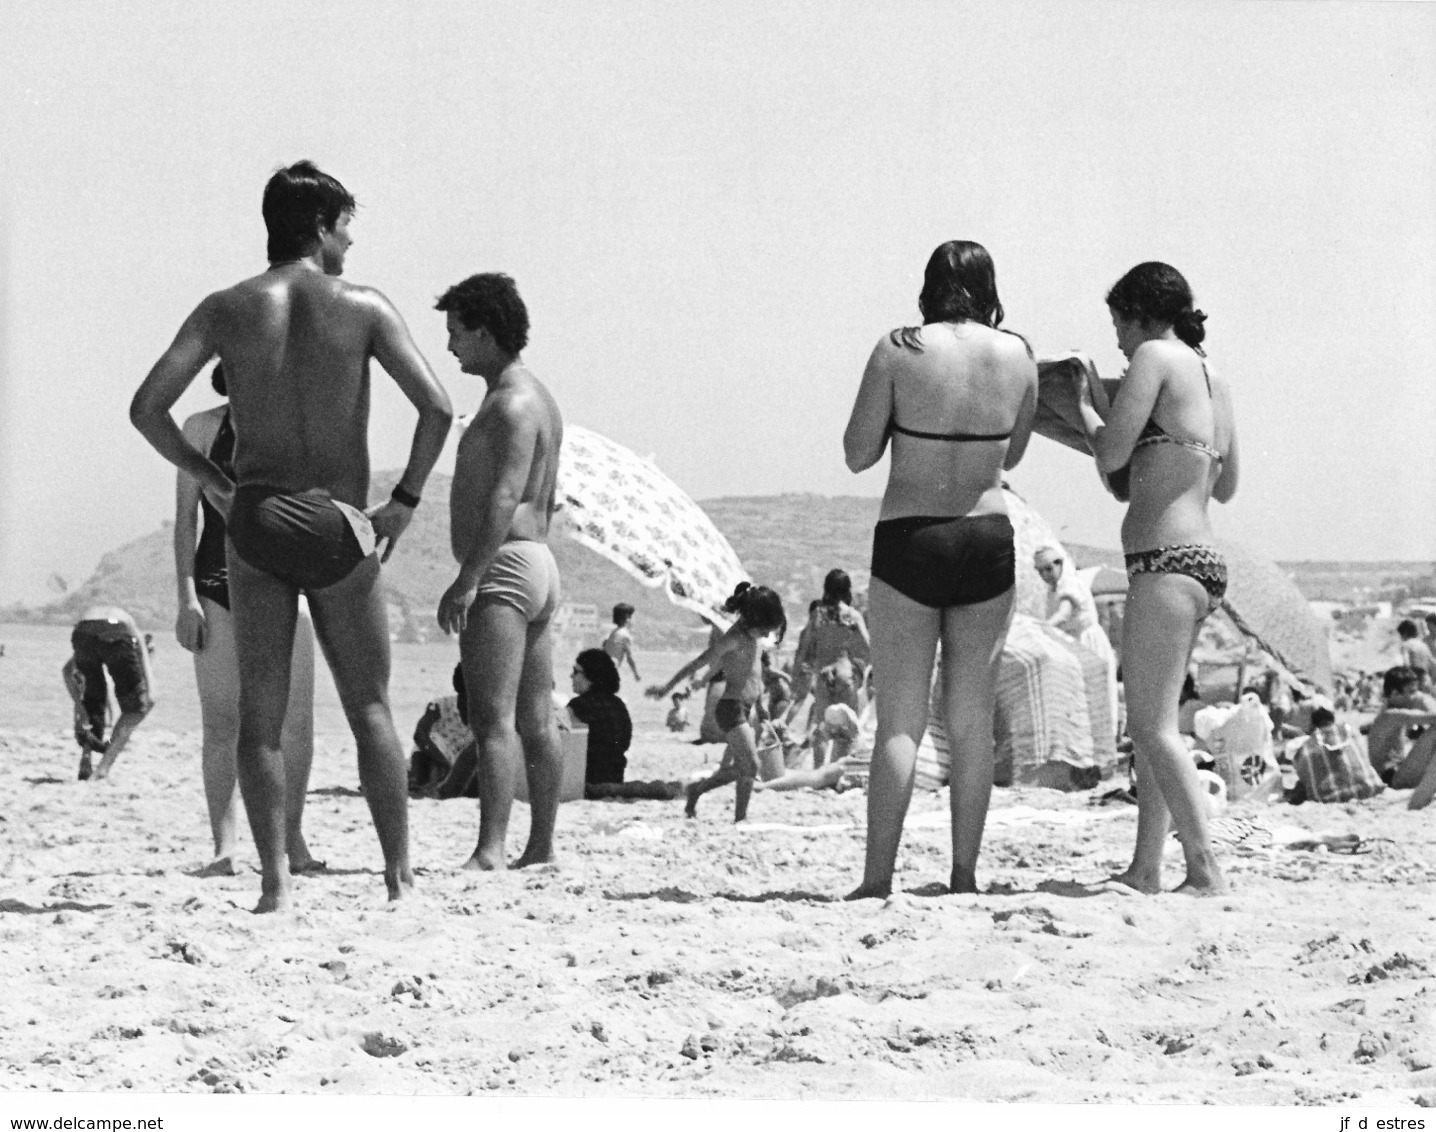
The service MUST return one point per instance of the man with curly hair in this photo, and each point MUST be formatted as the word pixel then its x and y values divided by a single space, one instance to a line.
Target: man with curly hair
pixel 503 601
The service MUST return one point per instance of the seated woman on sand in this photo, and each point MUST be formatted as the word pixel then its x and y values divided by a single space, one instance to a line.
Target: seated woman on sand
pixel 834 644
pixel 1172 430
pixel 851 761
pixel 596 705
pixel 1072 610
pixel 943 551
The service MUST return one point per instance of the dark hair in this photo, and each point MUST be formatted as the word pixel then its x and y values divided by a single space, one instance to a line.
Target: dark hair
pixel 491 301
pixel 216 379
pixel 1398 679
pixel 1406 629
pixel 463 693
pixel 759 608
pixel 298 202
pixel 1189 690
pixel 599 669
pixel 958 285
pixel 1156 292
pixel 837 587
pixel 622 612
pixel 1322 717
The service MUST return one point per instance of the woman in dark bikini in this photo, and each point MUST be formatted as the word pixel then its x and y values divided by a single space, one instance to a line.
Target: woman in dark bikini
pixel 205 627
pixel 1172 422
pixel 943 558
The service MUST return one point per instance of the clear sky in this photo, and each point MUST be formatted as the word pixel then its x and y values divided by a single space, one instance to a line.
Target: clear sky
pixel 714 211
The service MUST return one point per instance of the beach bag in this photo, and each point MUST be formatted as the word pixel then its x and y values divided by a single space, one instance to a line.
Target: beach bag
pixel 1337 774
pixel 1238 736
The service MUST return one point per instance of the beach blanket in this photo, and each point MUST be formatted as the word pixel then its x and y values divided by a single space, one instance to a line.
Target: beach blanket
pixel 1052 708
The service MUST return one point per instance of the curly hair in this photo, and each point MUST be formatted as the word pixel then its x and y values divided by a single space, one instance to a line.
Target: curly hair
pixel 599 670
pixel 1156 292
pixel 299 200
pixel 490 300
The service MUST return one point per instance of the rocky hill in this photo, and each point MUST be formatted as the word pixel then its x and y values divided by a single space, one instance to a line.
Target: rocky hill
pixel 786 541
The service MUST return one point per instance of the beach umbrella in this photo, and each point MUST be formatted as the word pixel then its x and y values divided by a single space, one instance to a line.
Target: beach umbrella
pixel 619 505
pixel 1266 605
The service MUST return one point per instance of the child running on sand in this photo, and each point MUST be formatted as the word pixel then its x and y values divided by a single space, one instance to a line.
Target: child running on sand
pixel 738 653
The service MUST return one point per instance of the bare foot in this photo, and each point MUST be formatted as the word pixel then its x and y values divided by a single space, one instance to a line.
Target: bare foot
pixel 1204 886
pixel 400 885
pixel 484 863
pixel 962 882
pixel 86 770
pixel 691 809
pixel 222 866
pixel 533 857
pixel 275 897
pixel 1146 885
pixel 306 866
pixel 1424 792
pixel 866 891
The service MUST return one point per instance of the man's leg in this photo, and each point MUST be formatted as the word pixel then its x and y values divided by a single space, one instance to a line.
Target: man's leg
pixel 352 623
pixel 492 647
pixel 129 672
pixel 264 611
pixel 542 747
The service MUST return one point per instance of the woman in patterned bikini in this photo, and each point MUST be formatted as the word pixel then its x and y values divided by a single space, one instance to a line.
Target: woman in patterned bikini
pixel 1172 423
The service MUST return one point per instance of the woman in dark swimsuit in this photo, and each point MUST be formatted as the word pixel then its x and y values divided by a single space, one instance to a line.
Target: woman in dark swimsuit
pixel 1172 422
pixel 205 627
pixel 943 558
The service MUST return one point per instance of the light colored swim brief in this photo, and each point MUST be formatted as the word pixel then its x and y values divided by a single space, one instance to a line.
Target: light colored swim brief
pixel 523 575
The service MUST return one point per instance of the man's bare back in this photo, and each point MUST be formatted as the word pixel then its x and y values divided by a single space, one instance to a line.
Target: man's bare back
pixel 296 346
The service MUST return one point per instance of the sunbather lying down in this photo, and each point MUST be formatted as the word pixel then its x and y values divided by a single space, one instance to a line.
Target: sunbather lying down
pixel 850 756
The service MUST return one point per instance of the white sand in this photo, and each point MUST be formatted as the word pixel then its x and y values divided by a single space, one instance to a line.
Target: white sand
pixel 666 957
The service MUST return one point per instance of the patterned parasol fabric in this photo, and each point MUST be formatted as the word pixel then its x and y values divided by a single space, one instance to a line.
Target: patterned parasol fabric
pixel 620 505
pixel 1266 605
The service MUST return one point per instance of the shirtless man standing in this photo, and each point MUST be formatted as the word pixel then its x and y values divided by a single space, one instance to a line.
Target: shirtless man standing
pixel 503 601
pixel 296 344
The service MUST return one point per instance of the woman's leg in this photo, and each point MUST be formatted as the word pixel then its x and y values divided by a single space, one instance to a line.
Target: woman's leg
pixel 972 641
pixel 904 636
pixel 216 675
pixel 1162 616
pixel 297 742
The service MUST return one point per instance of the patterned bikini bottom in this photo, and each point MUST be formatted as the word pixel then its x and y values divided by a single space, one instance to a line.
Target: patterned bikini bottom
pixel 1202 563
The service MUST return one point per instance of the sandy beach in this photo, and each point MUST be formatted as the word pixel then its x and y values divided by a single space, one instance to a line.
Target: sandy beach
pixel 671 958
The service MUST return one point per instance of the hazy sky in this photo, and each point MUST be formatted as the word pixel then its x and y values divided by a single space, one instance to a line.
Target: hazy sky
pixel 714 211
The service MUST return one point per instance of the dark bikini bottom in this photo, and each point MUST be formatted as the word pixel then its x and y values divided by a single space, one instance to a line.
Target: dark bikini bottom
pixel 940 561
pixel 1201 563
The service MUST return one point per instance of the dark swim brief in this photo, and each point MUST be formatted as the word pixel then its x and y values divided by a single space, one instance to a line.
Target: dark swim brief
pixel 109 646
pixel 728 714
pixel 942 561
pixel 305 538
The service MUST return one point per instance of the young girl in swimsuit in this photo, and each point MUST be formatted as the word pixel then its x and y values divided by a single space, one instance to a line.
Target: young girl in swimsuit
pixel 943 553
pixel 205 627
pixel 1172 421
pixel 739 653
